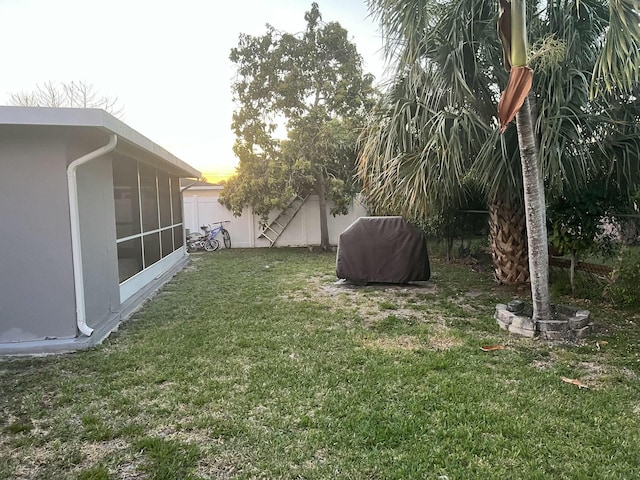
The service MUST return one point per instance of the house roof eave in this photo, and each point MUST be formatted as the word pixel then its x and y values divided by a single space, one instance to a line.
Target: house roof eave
pixel 99 119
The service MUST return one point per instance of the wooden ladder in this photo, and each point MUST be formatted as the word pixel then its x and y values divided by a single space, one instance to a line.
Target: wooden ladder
pixel 272 231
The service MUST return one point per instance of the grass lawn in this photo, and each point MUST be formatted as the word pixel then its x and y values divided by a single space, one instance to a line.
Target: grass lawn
pixel 254 364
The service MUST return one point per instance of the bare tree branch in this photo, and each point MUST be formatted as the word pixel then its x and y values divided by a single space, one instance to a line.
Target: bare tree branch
pixel 74 95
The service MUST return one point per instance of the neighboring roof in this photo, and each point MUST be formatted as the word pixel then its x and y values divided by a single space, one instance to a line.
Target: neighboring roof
pixel 99 120
pixel 192 184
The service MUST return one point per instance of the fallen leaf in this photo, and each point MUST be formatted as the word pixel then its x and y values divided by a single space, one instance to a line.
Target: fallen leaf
pixel 491 348
pixel 292 356
pixel 601 343
pixel 574 381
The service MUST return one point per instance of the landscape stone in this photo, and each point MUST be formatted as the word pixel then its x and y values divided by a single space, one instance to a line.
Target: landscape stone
pixel 568 323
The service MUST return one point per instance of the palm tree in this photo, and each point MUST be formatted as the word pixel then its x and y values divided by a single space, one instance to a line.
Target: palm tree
pixel 438 120
pixel 436 129
pixel 512 28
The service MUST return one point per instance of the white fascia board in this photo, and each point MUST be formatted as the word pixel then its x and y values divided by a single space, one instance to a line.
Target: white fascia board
pixel 91 117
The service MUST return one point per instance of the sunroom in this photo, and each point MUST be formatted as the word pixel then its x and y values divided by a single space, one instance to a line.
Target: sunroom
pixel 92 225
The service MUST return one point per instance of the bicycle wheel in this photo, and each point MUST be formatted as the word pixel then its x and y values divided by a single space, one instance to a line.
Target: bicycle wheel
pixel 216 244
pixel 226 238
pixel 209 245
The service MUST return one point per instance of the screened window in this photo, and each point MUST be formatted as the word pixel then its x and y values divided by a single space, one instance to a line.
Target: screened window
pixel 149 196
pixel 148 208
pixel 129 258
pixel 178 237
pixel 176 201
pixel 151 243
pixel 164 196
pixel 125 195
pixel 166 240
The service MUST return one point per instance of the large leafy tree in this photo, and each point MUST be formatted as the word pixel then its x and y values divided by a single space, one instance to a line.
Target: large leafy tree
pixel 436 130
pixel 312 86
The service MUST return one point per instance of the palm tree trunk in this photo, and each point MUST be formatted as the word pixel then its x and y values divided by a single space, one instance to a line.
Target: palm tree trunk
pixel 322 203
pixel 535 214
pixel 508 238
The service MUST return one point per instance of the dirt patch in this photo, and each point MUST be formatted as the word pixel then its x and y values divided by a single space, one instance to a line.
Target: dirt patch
pixel 592 374
pixel 442 340
pixel 473 294
pixel 394 344
pixel 542 364
pixel 373 301
pixel 320 288
pixel 192 266
pixel 96 451
pixel 597 375
pixel 192 435
pixel 221 465
pixel 592 369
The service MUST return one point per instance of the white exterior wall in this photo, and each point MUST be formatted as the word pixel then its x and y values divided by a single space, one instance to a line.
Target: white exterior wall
pixel 201 207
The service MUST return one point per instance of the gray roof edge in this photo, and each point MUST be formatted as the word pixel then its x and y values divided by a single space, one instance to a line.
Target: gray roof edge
pixel 90 117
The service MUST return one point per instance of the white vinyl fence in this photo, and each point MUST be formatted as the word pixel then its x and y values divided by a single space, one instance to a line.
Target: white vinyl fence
pixel 201 207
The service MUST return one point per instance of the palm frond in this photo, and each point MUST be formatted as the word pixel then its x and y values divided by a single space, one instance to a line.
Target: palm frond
pixel 618 65
pixel 436 129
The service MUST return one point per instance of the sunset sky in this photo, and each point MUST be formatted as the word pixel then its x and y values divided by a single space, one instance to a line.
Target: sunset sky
pixel 167 62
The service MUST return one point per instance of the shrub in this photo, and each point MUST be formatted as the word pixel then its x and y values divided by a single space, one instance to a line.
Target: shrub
pixel 624 289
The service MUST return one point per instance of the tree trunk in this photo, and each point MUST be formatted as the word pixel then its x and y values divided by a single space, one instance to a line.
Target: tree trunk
pixel 322 202
pixel 449 241
pixel 508 237
pixel 535 214
pixel 572 270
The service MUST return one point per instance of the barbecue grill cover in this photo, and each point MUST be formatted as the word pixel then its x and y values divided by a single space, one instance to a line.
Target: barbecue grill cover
pixel 384 250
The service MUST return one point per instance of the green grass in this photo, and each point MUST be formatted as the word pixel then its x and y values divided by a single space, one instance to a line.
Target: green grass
pixel 236 370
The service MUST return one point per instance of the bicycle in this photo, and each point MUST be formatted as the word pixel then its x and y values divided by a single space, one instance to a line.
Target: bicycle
pixel 213 233
pixel 208 240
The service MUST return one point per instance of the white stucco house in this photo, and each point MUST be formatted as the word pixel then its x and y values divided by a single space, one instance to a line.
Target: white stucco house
pixel 92 224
